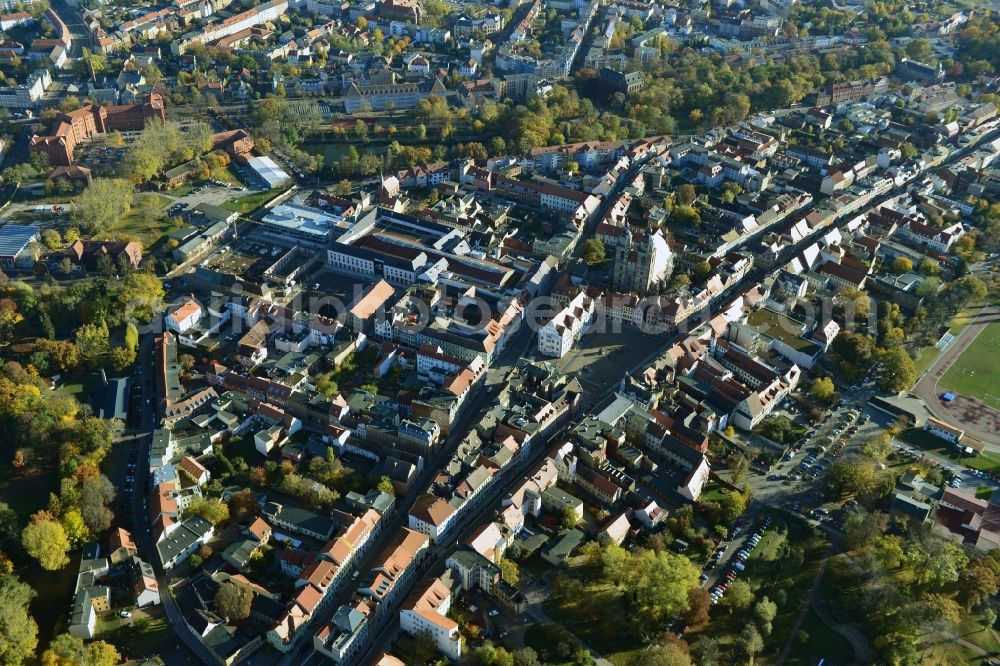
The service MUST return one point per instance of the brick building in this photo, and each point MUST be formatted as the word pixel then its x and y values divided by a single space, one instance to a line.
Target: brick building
pixel 75 126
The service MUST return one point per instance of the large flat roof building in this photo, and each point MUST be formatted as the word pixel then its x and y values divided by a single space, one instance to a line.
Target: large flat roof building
pixel 267 172
pixel 14 241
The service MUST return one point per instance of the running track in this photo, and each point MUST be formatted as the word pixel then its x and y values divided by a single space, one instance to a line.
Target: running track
pixel 979 421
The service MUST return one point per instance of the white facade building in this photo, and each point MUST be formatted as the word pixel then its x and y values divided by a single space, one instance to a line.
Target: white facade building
pixel 558 336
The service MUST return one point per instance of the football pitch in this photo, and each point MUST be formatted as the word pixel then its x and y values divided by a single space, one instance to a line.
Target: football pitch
pixel 976 373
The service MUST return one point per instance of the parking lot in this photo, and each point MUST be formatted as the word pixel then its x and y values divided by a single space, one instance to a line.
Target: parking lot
pixel 737 548
pixel 206 192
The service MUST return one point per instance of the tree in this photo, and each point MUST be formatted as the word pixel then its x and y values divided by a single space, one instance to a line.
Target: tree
pixel 96 492
pixel 131 336
pixel 764 612
pixel 121 358
pixel 658 585
pixel 971 289
pixel 907 150
pixel 509 572
pixel 9 318
pixel 243 504
pixel 68 650
pixel 214 511
pixel 76 529
pixel 46 541
pixel 853 475
pixel 491 655
pixel 20 461
pixel 686 194
pixel 187 362
pixel 822 389
pixel 901 265
pixel 668 654
pixel 233 601
pixel 686 216
pixel 593 251
pixel 699 607
pixel 102 204
pixel 615 563
pixel 385 486
pixel 897 370
pixel 52 239
pixel 929 267
pixel 739 463
pixel 854 353
pixel 92 343
pixel 751 642
pixel 979 581
pixel 568 518
pixel 141 293
pixel 18 630
pixel 739 596
pixel 526 657
pixel 920 49
pixel 63 355
pixel 8 523
pixel 731 506
pixel 877 447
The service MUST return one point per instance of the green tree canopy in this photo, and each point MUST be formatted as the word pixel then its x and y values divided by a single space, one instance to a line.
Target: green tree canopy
pixel 46 541
pixel 233 601
pixel 18 630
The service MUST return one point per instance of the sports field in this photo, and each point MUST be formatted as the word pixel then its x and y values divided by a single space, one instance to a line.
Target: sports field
pixel 976 373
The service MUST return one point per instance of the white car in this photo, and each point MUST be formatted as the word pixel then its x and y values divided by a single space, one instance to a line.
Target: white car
pixel 494 613
pixel 124 613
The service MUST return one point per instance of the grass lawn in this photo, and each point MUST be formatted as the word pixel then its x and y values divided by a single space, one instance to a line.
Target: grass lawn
pixel 976 373
pixel 926 358
pixel 823 643
pixel 938 649
pixel 145 222
pixel 250 202
pixel 771 573
pixel 54 590
pixel 597 618
pixel 842 581
pixel 244 447
pixel 81 388
pixel 538 639
pixel 713 493
pixel 535 566
pixel 183 190
pixel 155 636
pixel 28 494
